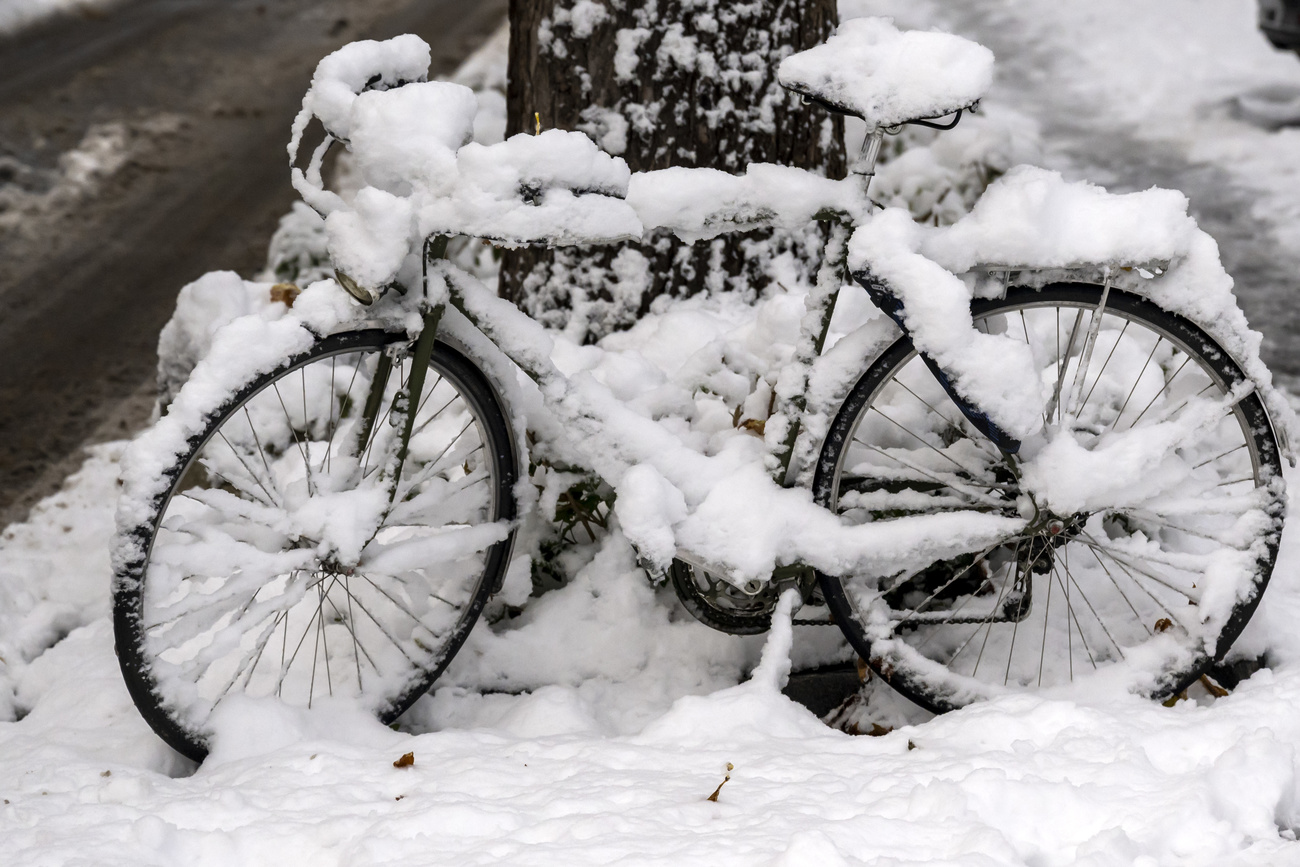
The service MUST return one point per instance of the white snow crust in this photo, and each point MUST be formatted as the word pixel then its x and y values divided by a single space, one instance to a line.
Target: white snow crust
pixel 419 176
pixel 886 76
pixel 595 727
pixel 341 76
pixel 696 204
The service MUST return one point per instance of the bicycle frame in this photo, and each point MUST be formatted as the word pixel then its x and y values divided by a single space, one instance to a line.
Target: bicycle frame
pixel 793 451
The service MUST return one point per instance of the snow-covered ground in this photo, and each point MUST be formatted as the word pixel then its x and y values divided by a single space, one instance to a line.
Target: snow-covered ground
pixel 593 729
pixel 613 762
pixel 16 15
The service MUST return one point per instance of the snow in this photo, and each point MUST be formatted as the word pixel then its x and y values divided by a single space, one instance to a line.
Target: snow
pixel 736 516
pixel 592 727
pixel 202 308
pixel 696 204
pixel 342 75
pixel 1130 94
pixel 104 149
pixel 1033 218
pixel 18 15
pixel 887 77
pixel 613 749
pixel 577 193
pixel 994 371
pixel 410 145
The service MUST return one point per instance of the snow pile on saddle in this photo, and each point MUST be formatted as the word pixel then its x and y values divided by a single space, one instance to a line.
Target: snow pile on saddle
pixel 1032 218
pixel 886 76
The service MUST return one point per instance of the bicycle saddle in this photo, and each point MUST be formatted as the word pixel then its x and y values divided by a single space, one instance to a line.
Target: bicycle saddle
pixel 888 77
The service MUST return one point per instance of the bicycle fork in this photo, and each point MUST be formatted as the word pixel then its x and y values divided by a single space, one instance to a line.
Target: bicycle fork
pixel 402 408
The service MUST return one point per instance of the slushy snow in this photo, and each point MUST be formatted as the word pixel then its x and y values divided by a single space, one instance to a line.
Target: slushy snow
pixel 18 15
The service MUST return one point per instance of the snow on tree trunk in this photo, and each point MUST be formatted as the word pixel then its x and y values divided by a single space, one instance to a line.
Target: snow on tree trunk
pixel 664 83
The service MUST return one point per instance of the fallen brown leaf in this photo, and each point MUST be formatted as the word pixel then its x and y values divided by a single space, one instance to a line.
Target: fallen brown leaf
pixel 285 293
pixel 718 790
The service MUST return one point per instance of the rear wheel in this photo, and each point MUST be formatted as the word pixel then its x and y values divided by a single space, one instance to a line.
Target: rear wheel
pixel 1150 577
pixel 276 564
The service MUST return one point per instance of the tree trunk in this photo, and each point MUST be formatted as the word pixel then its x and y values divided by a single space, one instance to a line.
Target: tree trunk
pixel 664 83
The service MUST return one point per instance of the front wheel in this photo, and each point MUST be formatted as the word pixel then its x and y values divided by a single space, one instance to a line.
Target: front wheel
pixel 292 556
pixel 1150 579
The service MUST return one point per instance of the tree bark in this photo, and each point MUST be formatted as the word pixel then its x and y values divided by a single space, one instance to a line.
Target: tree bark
pixel 664 83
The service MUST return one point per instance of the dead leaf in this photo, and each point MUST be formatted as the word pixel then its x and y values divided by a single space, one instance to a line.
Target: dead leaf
pixel 405 761
pixel 1212 688
pixel 1164 624
pixel 718 790
pixel 754 426
pixel 285 293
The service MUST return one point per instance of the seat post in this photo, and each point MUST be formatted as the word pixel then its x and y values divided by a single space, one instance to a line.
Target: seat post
pixel 865 165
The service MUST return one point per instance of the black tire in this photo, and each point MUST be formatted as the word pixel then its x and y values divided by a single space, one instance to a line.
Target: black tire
pixel 260 539
pixel 1130 574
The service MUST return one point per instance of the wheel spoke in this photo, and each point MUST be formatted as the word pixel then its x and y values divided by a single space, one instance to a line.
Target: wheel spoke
pixel 297 441
pixel 1168 382
pixel 1073 617
pixel 969 491
pixel 1123 595
pixel 408 612
pixel 383 629
pixel 1047 611
pixel 922 441
pixel 1136 381
pixel 978 560
pixel 1100 622
pixel 997 606
pixel 270 501
pixel 1119 339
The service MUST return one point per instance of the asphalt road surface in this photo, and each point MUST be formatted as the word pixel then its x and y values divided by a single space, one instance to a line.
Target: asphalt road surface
pixel 140 148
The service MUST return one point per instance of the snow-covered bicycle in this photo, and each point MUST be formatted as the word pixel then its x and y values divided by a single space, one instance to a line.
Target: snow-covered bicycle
pixel 1056 459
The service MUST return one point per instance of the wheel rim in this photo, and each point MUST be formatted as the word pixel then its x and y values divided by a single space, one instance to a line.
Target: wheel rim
pixel 1137 586
pixel 279 568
